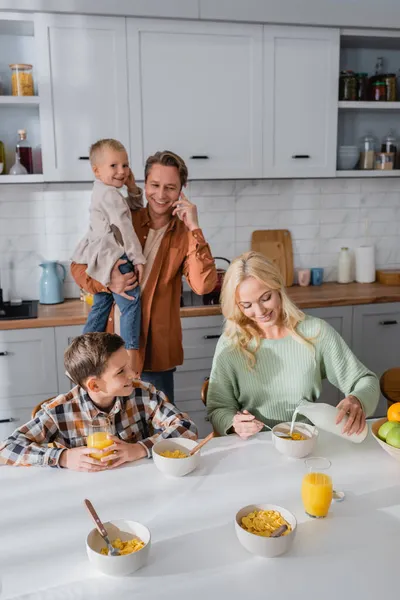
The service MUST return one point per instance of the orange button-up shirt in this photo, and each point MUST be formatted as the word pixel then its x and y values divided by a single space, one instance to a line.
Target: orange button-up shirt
pixel 182 252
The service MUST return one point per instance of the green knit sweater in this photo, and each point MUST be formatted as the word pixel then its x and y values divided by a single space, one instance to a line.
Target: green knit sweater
pixel 286 371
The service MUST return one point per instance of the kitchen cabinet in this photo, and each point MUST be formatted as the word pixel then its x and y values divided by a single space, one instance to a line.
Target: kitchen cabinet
pixel 83 86
pixel 376 340
pixel 301 67
pixel 196 89
pixel 63 338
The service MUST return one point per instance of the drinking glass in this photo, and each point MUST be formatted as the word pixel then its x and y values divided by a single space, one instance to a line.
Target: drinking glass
pixel 316 488
pixel 99 438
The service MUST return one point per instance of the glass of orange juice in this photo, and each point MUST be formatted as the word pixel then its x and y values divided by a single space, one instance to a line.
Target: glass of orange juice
pixel 316 488
pixel 99 438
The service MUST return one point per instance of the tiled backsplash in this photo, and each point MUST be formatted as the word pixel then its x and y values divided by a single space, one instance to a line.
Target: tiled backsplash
pixel 40 222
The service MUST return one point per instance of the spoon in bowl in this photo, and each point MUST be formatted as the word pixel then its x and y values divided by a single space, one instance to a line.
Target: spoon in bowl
pixel 101 529
pixel 201 444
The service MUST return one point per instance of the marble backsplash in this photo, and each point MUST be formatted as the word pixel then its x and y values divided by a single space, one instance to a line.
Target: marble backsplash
pixel 46 221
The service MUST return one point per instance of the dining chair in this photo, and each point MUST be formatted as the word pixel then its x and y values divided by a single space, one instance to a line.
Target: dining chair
pixel 39 406
pixel 390 385
pixel 204 391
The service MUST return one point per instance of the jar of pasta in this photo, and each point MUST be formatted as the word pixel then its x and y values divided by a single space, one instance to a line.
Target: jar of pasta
pixel 21 80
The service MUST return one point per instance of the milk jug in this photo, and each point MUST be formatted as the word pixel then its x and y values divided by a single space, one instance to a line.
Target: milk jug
pixel 324 417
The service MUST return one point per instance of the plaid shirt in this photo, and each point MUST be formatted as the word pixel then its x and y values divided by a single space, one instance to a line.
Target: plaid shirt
pixel 144 417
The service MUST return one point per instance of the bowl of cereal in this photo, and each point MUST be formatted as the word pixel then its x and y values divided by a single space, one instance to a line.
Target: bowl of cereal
pixel 132 540
pixel 171 456
pixel 255 523
pixel 302 442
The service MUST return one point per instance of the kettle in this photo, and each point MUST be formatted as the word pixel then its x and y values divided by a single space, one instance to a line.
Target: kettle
pixel 51 283
pixel 213 297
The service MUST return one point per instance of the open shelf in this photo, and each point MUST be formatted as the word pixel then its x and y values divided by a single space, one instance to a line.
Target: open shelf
pixel 356 173
pixel 369 105
pixel 21 179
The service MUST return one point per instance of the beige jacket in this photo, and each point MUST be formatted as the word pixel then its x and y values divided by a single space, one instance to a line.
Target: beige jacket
pixel 111 233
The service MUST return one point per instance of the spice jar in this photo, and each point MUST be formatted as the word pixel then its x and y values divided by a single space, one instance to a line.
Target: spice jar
pixel 362 86
pixel 379 91
pixel 391 87
pixel 21 80
pixel 347 86
pixel 367 153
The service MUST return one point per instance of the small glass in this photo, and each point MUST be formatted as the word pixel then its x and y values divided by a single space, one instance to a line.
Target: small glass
pixel 316 488
pixel 99 438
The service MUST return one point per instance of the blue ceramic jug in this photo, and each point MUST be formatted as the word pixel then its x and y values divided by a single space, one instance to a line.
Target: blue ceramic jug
pixel 51 283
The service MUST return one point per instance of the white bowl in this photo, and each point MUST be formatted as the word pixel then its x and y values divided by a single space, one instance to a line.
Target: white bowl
pixel 394 452
pixel 176 467
pixel 295 448
pixel 264 546
pixel 348 149
pixel 123 564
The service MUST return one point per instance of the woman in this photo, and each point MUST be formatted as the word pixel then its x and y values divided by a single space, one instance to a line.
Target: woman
pixel 174 245
pixel 272 355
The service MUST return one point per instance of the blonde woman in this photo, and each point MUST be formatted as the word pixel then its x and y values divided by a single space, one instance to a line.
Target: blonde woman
pixel 271 355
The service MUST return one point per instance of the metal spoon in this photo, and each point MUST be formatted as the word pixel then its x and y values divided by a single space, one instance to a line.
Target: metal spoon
pixel 280 434
pixel 338 496
pixel 278 532
pixel 101 529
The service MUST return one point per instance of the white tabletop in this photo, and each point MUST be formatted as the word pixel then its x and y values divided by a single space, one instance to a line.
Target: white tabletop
pixel 353 553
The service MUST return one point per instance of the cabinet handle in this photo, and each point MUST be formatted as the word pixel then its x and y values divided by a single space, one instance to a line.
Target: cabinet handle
pixel 199 157
pixel 5 353
pixel 301 156
pixel 211 337
pixel 10 420
pixel 84 158
pixel 387 322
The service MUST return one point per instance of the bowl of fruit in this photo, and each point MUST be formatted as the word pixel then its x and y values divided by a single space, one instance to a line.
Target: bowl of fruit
pixel 387 431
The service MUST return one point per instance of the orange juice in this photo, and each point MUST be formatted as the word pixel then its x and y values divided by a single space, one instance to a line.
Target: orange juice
pixel 316 492
pixel 99 440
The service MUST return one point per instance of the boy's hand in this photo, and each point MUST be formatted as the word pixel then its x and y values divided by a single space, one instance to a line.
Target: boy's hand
pixel 122 452
pixel 139 269
pixel 131 183
pixel 78 459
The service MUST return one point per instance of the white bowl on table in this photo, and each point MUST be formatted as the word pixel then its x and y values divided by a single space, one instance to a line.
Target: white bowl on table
pixel 295 448
pixel 124 564
pixel 176 467
pixel 265 546
pixel 394 452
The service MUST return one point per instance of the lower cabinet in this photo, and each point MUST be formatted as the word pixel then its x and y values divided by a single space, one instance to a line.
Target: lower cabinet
pixel 63 337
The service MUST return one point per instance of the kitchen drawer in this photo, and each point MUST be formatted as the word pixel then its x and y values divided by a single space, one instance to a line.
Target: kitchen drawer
pixel 27 364
pixel 20 416
pixel 201 336
pixel 193 365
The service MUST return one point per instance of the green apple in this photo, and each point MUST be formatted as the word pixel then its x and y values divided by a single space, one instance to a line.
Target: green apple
pixel 393 437
pixel 386 428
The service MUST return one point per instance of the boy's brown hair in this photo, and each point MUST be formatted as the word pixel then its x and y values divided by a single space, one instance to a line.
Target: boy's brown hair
pixel 97 148
pixel 167 159
pixel 88 355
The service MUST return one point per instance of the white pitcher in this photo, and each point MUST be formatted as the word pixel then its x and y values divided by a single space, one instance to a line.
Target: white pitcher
pixel 324 417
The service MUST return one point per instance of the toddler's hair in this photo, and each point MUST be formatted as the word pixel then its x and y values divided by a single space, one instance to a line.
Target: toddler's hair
pixel 97 148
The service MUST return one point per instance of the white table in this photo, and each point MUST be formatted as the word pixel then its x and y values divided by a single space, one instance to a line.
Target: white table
pixel 354 553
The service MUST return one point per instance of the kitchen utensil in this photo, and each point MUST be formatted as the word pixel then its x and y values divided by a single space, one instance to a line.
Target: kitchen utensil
pixel 367 152
pixel 213 297
pixel 316 488
pixel 51 283
pixel 100 528
pixel 388 276
pixel 304 277
pixel 295 448
pixel 176 467
pixel 317 276
pixel 262 236
pixel 280 434
pixel 201 444
pixel 275 252
pixel 278 532
pixel 348 157
pixel 365 264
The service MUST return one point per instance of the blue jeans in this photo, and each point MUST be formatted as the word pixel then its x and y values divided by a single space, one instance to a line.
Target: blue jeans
pixel 163 381
pixel 130 312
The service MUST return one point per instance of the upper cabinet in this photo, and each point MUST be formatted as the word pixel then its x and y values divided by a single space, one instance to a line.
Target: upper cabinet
pixel 83 87
pixel 301 67
pixel 196 89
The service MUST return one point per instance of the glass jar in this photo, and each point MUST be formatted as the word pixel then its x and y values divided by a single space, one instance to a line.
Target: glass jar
pixel 347 86
pixel 391 87
pixel 379 91
pixel 21 80
pixel 367 153
pixel 362 86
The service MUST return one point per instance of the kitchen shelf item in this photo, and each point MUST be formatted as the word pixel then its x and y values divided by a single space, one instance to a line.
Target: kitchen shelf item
pixel 17 168
pixel 348 86
pixel 367 154
pixel 369 105
pixel 348 157
pixel 388 276
pixel 24 151
pixel 362 87
pixel 21 80
pixel 265 236
pixel 344 266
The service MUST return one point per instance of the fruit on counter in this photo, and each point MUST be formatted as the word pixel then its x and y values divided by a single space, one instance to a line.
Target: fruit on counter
pixel 386 428
pixel 393 437
pixel 393 413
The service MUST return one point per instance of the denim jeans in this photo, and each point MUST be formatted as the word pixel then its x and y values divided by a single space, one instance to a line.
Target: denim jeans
pixel 130 312
pixel 162 381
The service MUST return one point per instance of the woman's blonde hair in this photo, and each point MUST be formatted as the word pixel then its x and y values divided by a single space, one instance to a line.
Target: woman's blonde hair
pixel 242 331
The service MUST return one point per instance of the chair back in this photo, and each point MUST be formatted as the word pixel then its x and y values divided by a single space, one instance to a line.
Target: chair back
pixel 390 385
pixel 204 391
pixel 39 406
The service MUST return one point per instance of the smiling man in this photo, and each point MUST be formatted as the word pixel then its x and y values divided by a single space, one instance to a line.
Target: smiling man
pixel 173 245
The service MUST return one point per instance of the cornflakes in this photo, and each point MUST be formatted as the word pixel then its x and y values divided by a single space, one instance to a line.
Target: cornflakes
pixel 173 454
pixel 125 547
pixel 264 522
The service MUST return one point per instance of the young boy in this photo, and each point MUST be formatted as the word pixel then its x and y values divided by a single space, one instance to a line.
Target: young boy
pixel 111 237
pixel 105 396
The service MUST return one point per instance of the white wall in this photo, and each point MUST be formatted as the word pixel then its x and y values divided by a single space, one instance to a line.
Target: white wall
pixel 46 221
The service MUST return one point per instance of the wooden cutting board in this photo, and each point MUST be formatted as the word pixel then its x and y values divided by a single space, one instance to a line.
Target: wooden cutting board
pixel 275 251
pixel 262 237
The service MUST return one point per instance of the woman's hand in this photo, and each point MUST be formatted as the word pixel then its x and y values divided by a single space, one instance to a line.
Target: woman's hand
pixel 187 212
pixel 122 452
pixel 122 282
pixel 351 406
pixel 246 425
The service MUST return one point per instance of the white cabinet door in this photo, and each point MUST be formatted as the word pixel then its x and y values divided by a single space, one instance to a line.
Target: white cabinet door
pixel 27 367
pixel 301 69
pixel 83 90
pixel 64 336
pixel 196 89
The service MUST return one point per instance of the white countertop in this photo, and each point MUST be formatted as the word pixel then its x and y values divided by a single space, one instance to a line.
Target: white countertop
pixel 352 554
